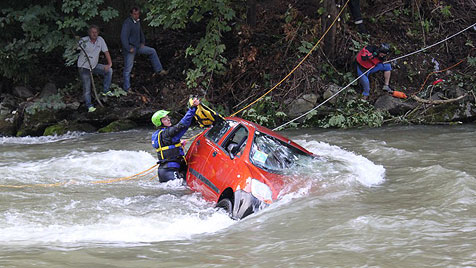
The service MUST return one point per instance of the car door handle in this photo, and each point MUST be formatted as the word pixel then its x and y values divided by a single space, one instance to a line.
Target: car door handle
pixel 214 154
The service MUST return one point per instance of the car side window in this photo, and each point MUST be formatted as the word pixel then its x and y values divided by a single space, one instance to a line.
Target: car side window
pixel 235 143
pixel 218 130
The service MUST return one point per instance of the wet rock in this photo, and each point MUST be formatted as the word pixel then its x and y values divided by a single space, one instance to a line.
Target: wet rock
pixel 118 125
pixel 22 92
pixel 301 105
pixel 9 117
pixel 65 126
pixel 393 105
pixel 35 124
pixel 464 111
pixel 48 90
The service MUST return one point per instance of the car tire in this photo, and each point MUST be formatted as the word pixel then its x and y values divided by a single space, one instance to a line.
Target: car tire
pixel 226 205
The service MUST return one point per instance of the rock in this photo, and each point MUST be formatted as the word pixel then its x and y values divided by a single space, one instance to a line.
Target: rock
pixel 48 90
pixel 22 92
pixel 9 117
pixel 118 125
pixel 451 112
pixel 331 90
pixel 393 105
pixel 64 126
pixel 35 124
pixel 303 104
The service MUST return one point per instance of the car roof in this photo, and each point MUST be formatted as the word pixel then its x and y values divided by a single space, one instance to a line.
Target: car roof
pixel 268 132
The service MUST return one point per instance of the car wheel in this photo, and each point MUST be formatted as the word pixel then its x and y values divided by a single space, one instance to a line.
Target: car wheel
pixel 225 204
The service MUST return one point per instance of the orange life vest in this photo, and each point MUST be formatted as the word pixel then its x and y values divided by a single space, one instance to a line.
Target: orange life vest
pixel 370 62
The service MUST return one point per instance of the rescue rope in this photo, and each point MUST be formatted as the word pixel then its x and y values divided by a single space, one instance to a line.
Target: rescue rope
pixel 132 177
pixel 392 60
pixel 297 66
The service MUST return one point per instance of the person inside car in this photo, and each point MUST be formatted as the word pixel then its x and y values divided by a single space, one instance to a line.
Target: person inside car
pixel 168 145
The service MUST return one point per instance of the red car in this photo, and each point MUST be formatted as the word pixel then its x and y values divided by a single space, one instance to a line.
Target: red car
pixel 241 166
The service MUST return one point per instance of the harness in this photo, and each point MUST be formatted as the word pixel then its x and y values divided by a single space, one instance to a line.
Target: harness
pixel 168 153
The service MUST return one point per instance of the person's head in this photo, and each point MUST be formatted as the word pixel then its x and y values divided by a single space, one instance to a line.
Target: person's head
pixel 383 50
pixel 135 13
pixel 161 118
pixel 93 32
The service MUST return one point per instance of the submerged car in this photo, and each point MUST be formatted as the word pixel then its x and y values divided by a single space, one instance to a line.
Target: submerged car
pixel 241 166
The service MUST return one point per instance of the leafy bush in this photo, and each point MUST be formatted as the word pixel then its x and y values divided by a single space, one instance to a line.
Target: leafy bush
pixel 207 55
pixel 353 113
pixel 54 102
pixel 265 112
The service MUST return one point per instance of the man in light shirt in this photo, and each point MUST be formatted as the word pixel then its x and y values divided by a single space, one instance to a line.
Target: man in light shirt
pixel 93 44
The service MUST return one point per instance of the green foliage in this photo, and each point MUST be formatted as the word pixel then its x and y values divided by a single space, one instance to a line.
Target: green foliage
pixel 305 47
pixel 34 31
pixel 207 55
pixel 446 11
pixel 353 113
pixel 264 112
pixel 472 61
pixel 54 102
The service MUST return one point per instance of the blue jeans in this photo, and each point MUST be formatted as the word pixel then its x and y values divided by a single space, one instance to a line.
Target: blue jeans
pixel 129 62
pixel 364 80
pixel 86 80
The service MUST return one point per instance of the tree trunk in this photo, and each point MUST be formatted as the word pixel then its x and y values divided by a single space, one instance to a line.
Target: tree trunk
pixel 327 19
pixel 251 13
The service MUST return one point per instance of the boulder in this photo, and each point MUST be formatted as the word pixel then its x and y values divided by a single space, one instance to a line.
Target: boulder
pixel 22 92
pixel 35 124
pixel 9 117
pixel 464 111
pixel 301 105
pixel 118 125
pixel 65 126
pixel 48 90
pixel 393 105
pixel 330 90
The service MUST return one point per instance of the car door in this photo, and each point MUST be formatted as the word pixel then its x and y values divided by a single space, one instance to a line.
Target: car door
pixel 199 177
pixel 221 167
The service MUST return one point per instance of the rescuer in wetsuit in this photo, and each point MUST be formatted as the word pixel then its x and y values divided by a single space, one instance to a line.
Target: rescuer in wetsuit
pixel 369 57
pixel 167 143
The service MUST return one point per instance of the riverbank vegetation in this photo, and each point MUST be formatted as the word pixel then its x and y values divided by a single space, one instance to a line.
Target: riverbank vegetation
pixel 231 53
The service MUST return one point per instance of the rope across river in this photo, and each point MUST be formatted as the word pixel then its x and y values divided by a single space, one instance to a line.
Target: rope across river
pixel 154 167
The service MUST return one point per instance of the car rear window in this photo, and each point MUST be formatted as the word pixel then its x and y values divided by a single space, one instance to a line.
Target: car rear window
pixel 274 155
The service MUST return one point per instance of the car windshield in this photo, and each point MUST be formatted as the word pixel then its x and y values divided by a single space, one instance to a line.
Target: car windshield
pixel 274 155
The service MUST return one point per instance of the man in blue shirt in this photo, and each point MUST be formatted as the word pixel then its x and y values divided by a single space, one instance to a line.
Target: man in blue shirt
pixel 133 42
pixel 167 143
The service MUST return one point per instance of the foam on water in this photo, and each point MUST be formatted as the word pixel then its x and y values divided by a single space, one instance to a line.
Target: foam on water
pixel 79 166
pixel 172 214
pixel 41 139
pixel 356 167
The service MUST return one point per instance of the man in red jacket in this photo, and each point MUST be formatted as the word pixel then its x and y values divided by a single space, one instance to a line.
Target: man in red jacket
pixel 373 56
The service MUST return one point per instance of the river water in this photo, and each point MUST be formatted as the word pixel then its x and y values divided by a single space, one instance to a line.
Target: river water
pixel 387 197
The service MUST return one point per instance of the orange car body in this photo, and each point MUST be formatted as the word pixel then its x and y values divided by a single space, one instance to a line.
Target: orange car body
pixel 226 162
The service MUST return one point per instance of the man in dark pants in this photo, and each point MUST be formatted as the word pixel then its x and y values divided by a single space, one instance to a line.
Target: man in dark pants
pixel 167 143
pixel 354 6
pixel 133 42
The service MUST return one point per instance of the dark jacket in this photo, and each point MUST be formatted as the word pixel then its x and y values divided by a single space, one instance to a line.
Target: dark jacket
pixel 172 135
pixel 131 35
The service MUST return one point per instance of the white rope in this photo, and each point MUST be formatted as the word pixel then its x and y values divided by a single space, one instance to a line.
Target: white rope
pixel 401 57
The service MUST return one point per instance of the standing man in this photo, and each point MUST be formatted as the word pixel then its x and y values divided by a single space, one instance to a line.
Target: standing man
pixel 373 56
pixel 92 45
pixel 167 143
pixel 355 11
pixel 133 42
